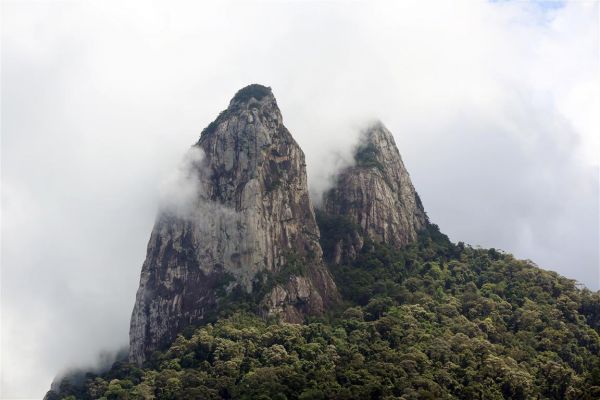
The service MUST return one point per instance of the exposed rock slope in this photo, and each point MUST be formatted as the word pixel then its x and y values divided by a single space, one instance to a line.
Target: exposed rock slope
pixel 377 195
pixel 250 221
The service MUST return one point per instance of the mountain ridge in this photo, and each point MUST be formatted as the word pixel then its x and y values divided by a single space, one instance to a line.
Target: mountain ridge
pixel 365 298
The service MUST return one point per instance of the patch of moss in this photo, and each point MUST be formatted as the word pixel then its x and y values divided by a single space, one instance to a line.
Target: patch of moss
pixel 333 229
pixel 213 125
pixel 366 156
pixel 252 91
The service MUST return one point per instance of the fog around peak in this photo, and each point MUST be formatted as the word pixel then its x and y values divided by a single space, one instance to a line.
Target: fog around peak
pixel 492 105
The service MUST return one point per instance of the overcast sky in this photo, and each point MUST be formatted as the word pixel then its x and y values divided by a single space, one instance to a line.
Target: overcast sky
pixel 491 105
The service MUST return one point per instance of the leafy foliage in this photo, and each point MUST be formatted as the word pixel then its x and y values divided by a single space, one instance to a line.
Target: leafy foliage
pixel 238 299
pixel 434 320
pixel 366 156
pixel 254 90
pixel 333 229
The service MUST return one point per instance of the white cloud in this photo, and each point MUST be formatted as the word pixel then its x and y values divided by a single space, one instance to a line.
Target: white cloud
pixel 180 188
pixel 492 106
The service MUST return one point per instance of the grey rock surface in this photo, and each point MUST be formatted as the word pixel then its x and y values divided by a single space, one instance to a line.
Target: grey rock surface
pixel 250 214
pixel 376 194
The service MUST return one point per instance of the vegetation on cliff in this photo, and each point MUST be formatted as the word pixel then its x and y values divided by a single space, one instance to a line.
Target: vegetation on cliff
pixel 434 320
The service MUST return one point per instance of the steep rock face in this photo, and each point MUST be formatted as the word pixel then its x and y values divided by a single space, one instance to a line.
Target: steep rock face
pixel 251 220
pixel 377 195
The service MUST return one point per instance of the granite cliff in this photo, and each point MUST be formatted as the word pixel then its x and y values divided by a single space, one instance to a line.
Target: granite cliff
pixel 250 226
pixel 376 195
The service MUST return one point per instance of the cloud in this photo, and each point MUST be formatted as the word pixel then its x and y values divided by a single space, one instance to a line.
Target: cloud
pixel 181 189
pixel 492 106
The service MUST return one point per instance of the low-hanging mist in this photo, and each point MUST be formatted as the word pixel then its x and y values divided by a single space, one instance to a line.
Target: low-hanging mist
pixel 490 103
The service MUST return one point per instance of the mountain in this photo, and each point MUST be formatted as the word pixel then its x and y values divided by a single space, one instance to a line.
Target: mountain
pixel 246 293
pixel 375 194
pixel 250 229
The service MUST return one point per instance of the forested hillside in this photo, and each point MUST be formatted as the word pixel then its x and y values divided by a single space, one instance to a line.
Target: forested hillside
pixel 434 320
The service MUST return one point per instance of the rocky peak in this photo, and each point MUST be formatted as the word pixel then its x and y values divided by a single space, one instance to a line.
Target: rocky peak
pixel 376 195
pixel 254 92
pixel 251 232
pixel 251 97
